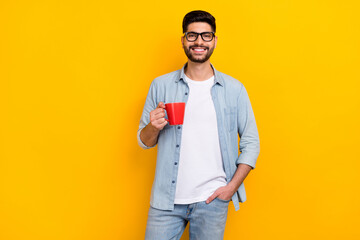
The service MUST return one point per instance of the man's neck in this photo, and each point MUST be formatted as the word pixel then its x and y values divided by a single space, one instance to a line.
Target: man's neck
pixel 199 71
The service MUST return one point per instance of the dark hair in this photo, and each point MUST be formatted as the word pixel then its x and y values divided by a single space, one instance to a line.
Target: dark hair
pixel 198 16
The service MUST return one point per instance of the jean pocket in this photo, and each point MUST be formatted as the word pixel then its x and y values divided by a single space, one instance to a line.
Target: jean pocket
pixel 222 200
pixel 230 117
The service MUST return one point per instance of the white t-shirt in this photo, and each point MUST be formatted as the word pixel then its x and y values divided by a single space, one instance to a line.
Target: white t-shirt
pixel 201 169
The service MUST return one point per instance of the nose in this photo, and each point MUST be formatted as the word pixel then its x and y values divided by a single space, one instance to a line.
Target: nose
pixel 199 40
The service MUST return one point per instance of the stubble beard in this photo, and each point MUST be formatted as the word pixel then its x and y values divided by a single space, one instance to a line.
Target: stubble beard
pixel 196 59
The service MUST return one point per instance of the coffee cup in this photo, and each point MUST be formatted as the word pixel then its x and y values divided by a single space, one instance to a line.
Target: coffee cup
pixel 175 112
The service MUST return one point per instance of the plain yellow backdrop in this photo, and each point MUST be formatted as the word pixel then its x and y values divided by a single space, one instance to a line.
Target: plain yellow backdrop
pixel 74 77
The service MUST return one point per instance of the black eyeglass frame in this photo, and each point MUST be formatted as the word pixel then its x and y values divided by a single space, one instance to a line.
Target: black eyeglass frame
pixel 197 35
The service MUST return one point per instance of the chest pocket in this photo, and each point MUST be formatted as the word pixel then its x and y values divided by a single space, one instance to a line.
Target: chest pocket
pixel 230 118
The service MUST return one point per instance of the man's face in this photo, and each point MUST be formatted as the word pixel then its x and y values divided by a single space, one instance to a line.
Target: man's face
pixel 198 51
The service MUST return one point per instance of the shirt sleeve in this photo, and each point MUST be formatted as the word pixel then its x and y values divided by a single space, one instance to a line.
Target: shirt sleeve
pixel 249 144
pixel 150 104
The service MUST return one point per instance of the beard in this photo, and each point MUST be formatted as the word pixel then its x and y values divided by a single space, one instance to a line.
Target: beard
pixel 198 59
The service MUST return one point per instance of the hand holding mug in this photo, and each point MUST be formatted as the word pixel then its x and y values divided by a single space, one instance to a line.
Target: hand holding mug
pixel 157 117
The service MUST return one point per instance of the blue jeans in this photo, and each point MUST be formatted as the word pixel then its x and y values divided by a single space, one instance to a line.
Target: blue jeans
pixel 207 221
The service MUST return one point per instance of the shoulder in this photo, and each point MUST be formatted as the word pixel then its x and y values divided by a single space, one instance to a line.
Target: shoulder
pixel 167 78
pixel 231 83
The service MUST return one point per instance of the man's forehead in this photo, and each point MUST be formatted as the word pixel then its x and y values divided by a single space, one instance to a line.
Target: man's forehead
pixel 199 27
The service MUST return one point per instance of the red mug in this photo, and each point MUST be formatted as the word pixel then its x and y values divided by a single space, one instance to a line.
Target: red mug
pixel 175 112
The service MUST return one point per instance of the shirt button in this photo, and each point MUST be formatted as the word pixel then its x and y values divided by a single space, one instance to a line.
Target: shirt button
pixel 175 163
pixel 177 145
pixel 173 181
pixel 179 127
pixel 186 93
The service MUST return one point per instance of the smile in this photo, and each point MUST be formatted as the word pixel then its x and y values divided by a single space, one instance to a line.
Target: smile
pixel 198 49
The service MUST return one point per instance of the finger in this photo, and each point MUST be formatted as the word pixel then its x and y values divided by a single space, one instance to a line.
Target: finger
pixel 159 121
pixel 164 124
pixel 158 112
pixel 161 105
pixel 212 197
pixel 160 124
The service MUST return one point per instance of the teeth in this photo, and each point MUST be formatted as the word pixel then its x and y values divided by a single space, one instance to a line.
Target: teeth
pixel 198 50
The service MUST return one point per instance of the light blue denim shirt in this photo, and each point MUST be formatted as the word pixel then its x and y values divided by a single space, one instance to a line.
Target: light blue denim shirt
pixel 234 117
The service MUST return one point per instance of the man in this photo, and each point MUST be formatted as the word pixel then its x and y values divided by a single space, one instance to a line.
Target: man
pixel 198 168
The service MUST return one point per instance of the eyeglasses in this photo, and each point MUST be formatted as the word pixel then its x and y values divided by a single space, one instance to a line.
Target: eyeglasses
pixel 206 36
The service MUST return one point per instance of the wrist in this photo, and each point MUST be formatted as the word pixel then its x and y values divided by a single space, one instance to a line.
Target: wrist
pixel 232 186
pixel 153 129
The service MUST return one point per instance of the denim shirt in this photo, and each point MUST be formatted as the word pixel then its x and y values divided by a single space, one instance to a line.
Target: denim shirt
pixel 235 118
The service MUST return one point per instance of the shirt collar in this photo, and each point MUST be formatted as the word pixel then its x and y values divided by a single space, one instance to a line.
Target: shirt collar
pixel 217 77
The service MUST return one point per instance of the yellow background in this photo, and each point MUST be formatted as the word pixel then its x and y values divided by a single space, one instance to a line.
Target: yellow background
pixel 74 77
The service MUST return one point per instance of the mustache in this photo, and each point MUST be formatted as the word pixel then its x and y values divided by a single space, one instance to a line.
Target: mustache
pixel 199 46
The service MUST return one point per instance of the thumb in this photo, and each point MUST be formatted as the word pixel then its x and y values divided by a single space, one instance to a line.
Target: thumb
pixel 161 105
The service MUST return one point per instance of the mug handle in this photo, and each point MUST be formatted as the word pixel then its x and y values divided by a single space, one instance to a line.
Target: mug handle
pixel 165 111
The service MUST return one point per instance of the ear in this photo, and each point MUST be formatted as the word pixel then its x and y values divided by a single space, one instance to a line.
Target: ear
pixel 182 41
pixel 215 41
